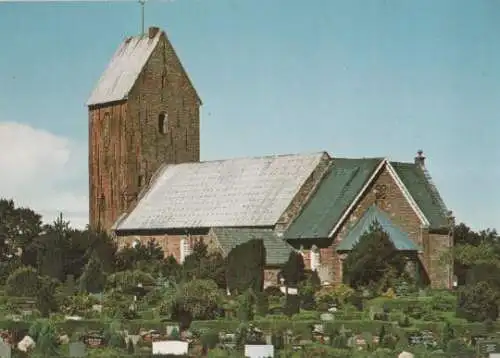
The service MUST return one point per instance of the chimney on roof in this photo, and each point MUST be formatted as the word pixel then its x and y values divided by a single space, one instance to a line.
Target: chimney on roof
pixel 153 31
pixel 420 159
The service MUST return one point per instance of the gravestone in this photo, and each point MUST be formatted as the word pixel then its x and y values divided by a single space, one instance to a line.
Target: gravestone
pixel 5 350
pixel 486 347
pixel 171 328
pixel 77 349
pixel 259 351
pixel 269 338
pixel 326 317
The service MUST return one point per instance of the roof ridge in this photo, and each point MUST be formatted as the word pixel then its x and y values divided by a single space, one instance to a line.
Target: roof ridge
pixel 269 156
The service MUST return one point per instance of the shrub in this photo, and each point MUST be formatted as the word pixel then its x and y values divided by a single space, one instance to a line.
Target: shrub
pixel 245 266
pixel 292 305
pixel 262 306
pixel 371 259
pixel 245 307
pixel 23 282
pixel 199 297
pixel 477 303
pixel 443 302
pixel 209 339
pixel 294 269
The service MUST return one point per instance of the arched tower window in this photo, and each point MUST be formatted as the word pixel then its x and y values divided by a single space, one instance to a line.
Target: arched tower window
pixel 162 123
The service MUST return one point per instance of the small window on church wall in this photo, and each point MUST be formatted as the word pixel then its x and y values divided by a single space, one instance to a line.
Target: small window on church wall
pixel 162 123
pixel 140 181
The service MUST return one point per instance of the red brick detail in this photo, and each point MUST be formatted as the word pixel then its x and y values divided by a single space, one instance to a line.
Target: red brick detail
pixel 402 214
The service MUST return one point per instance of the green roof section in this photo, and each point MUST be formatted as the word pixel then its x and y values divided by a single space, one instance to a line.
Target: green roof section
pixel 277 250
pixel 337 190
pixel 424 192
pixel 373 214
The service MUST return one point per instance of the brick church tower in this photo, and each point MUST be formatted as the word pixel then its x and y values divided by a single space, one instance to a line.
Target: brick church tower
pixel 143 112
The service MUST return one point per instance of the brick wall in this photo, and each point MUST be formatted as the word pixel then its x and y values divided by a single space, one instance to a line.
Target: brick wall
pixel 395 205
pixel 170 244
pixel 108 159
pixel 126 144
pixel 303 194
pixel 440 272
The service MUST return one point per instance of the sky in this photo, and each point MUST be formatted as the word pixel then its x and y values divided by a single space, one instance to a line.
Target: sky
pixel 356 78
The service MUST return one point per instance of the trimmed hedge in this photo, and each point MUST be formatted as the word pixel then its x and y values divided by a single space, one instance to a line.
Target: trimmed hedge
pixel 302 327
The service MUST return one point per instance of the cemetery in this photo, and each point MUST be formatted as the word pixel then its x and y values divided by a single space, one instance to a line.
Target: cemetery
pixel 134 302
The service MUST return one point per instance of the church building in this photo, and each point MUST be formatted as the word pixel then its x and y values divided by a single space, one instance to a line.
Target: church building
pixel 147 181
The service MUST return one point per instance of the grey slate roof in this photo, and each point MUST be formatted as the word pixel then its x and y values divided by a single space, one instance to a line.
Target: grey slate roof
pixel 399 238
pixel 245 192
pixel 124 69
pixel 277 250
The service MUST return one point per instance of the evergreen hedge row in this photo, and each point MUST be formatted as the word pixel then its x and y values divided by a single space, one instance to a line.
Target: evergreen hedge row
pixel 302 327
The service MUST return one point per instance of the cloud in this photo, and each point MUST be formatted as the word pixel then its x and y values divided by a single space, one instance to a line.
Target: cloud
pixel 44 172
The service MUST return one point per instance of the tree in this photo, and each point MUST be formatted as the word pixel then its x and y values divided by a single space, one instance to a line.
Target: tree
pixel 372 259
pixel 478 302
pixel 201 264
pixel 294 269
pixel 23 282
pixel 198 297
pixel 245 266
pixel 130 258
pixel 93 278
pixel 44 333
pixel 473 248
pixel 18 228
pixel 45 298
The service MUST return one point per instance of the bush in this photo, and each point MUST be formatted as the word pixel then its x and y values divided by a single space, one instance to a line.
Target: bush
pixel 292 305
pixel 477 303
pixel 262 306
pixel 370 260
pixel 23 282
pixel 209 339
pixel 245 266
pixel 245 307
pixel 199 297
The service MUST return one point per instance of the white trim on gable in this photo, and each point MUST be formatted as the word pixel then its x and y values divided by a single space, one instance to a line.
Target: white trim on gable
pixel 407 195
pixel 399 183
pixel 358 197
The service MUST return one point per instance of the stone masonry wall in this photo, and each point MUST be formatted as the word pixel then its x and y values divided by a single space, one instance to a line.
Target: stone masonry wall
pixel 127 144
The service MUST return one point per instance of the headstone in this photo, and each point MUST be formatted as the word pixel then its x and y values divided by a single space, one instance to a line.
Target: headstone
pixel 5 350
pixel 77 349
pixel 171 328
pixel 326 317
pixel 405 355
pixel 170 347
pixel 318 328
pixel 269 338
pixel 486 347
pixel 259 351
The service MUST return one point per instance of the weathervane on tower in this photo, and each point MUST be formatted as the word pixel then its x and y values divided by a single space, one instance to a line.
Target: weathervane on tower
pixel 142 3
